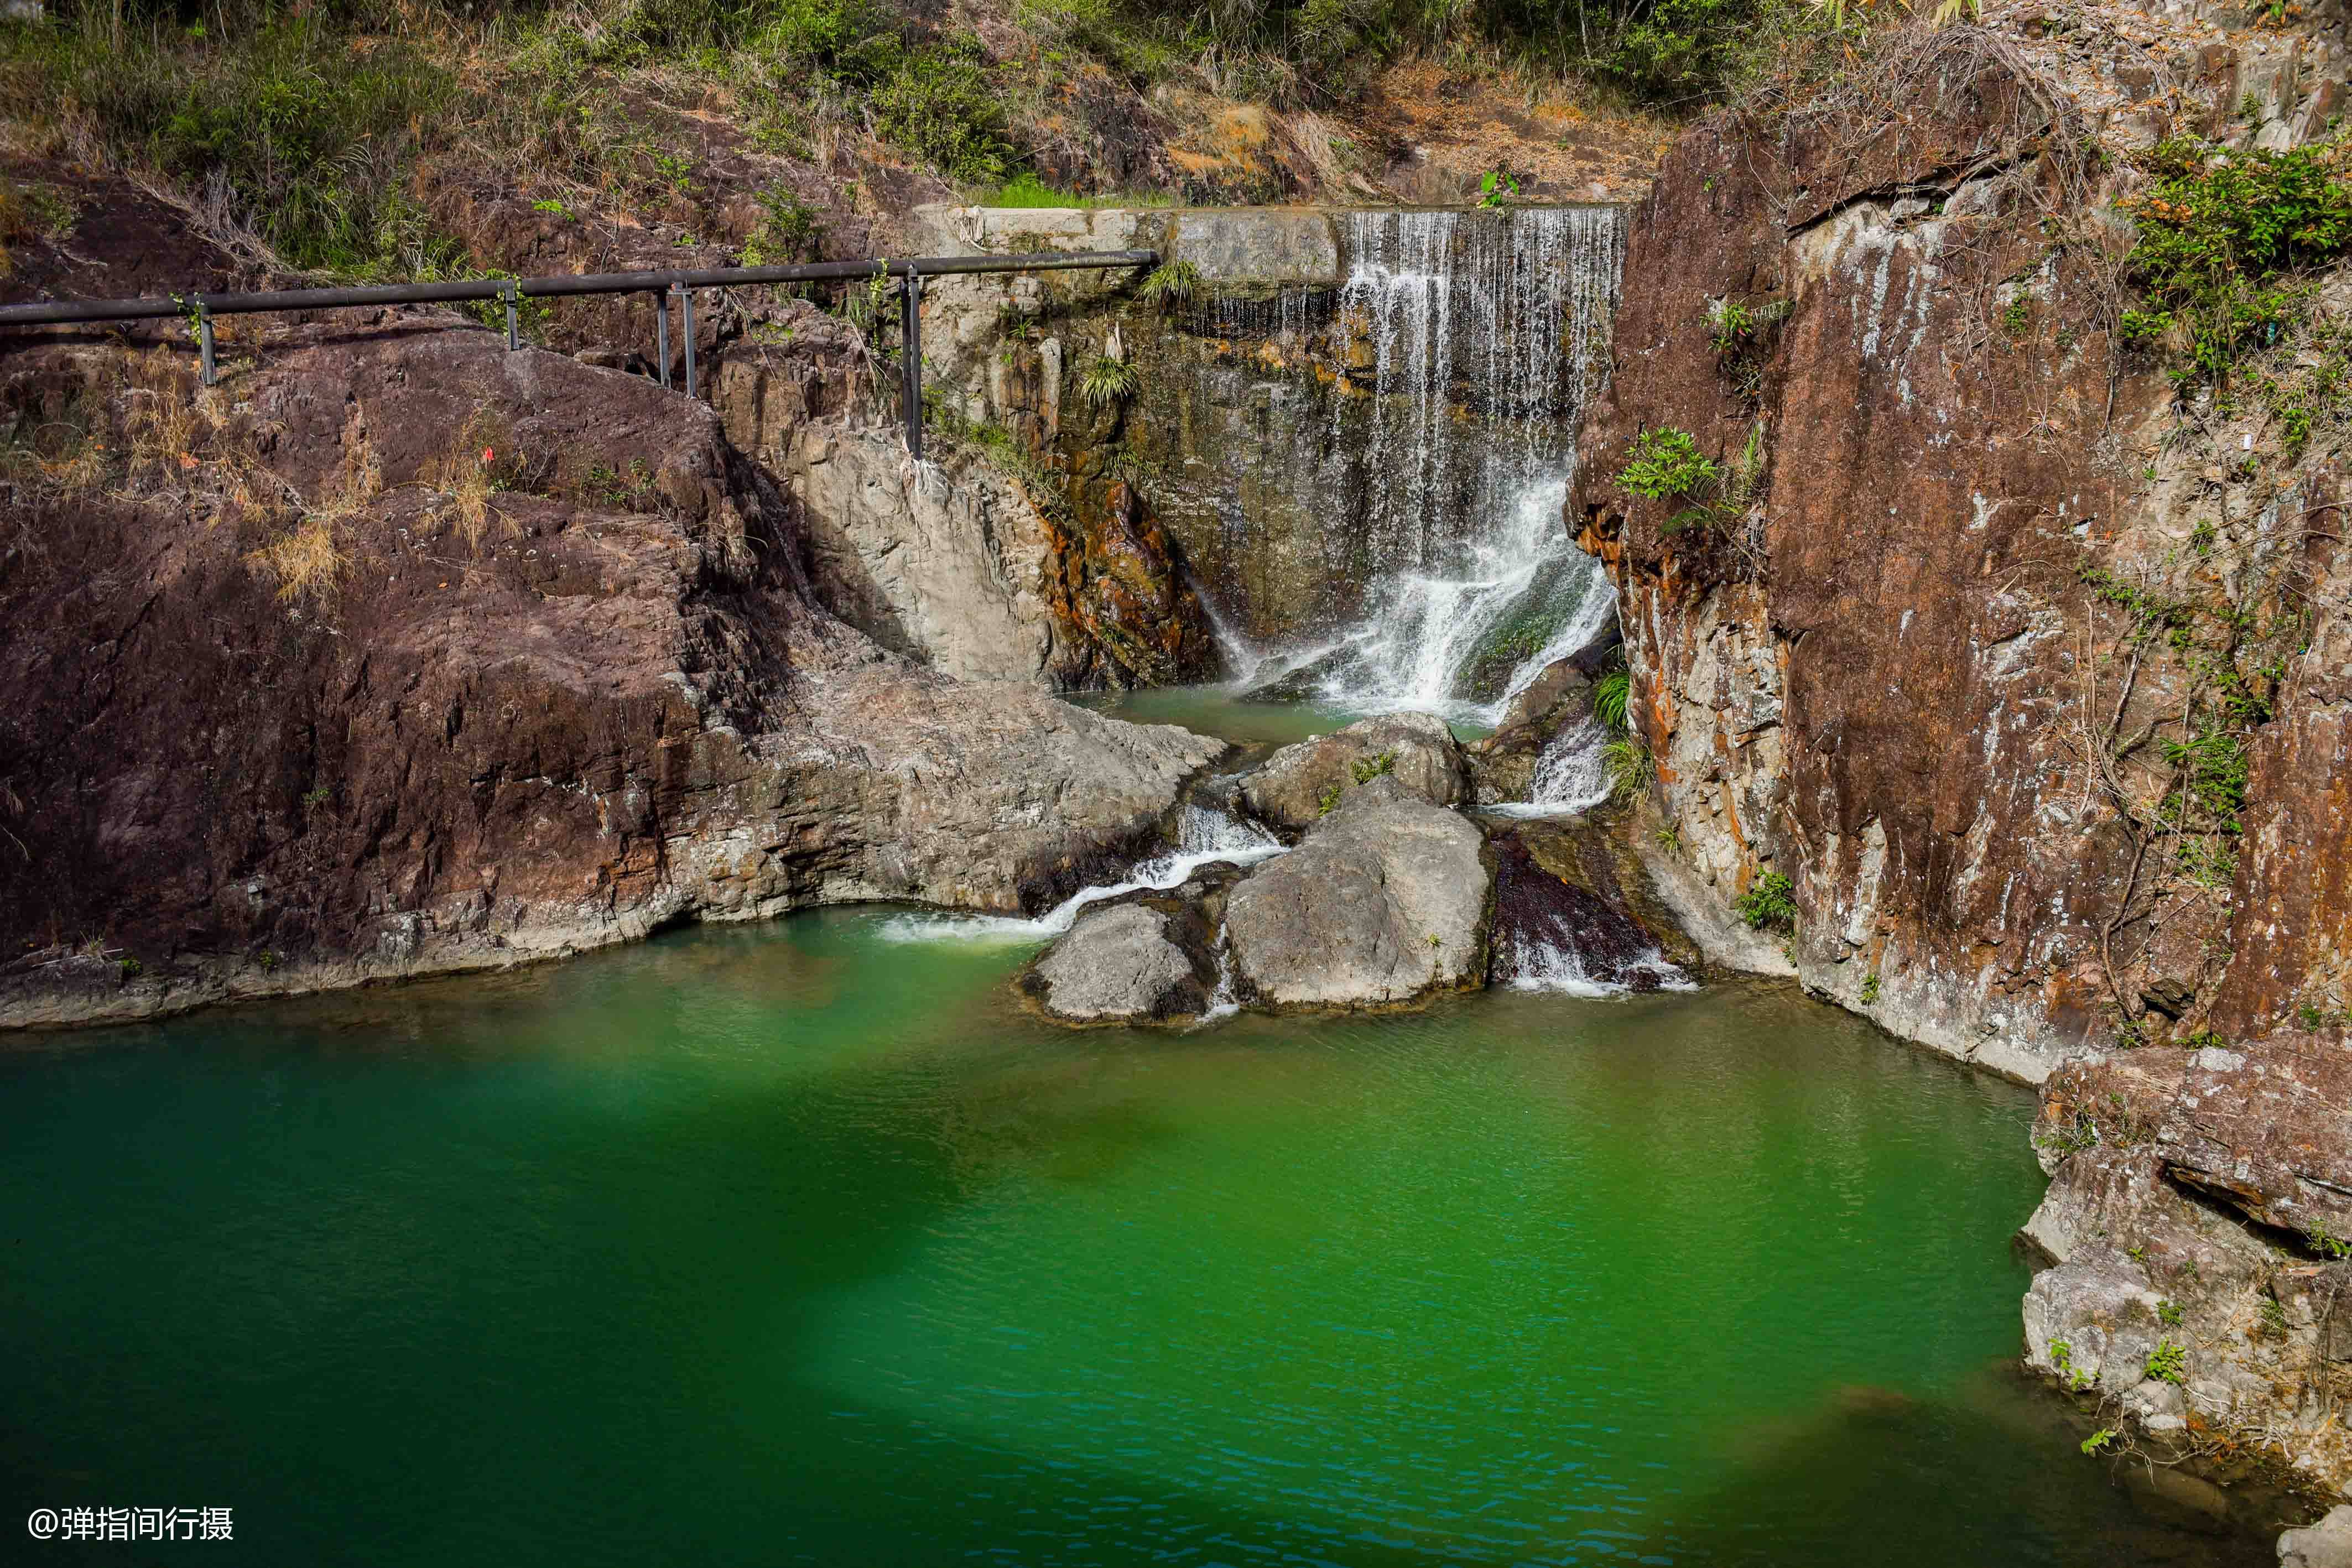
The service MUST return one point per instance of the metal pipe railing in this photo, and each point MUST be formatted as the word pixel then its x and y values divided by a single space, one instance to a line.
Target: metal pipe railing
pixel 678 283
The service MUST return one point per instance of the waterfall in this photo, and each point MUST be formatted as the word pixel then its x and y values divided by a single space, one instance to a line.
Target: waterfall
pixel 1569 777
pixel 1484 333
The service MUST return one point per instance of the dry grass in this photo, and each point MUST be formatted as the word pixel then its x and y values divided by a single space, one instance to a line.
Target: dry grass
pixel 164 424
pixel 466 475
pixel 308 563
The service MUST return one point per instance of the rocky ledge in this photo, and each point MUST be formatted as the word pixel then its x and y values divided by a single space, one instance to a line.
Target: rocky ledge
pixel 2200 1222
pixel 398 652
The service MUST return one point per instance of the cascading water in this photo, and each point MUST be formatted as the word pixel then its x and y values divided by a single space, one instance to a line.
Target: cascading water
pixel 1207 832
pixel 1486 333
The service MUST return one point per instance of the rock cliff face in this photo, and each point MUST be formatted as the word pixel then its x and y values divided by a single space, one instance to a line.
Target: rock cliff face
pixel 399 652
pixel 1971 591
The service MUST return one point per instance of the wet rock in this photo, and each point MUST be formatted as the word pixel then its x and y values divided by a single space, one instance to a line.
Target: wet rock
pixel 1125 963
pixel 1386 900
pixel 2325 1544
pixel 1303 683
pixel 1502 765
pixel 1300 784
pixel 1551 929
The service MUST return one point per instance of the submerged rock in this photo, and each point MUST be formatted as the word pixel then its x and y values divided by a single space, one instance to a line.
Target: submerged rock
pixel 1300 784
pixel 1301 681
pixel 1385 901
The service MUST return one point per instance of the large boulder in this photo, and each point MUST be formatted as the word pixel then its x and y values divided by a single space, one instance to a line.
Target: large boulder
pixel 1300 785
pixel 2325 1544
pixel 1385 901
pixel 1124 963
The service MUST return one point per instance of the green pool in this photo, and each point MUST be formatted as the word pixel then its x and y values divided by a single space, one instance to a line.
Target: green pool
pixel 796 1244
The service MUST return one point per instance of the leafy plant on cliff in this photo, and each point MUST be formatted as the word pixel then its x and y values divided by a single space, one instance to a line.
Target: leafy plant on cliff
pixel 1666 464
pixel 1170 285
pixel 2227 241
pixel 1366 768
pixel 2167 1363
pixel 1769 903
pixel 1629 767
pixel 1106 382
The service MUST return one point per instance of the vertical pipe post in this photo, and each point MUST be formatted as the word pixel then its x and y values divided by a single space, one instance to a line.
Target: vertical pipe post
pixel 685 325
pixel 205 344
pixel 910 356
pixel 514 327
pixel 661 335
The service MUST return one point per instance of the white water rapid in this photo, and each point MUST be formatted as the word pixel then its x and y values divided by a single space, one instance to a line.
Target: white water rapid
pixel 1205 833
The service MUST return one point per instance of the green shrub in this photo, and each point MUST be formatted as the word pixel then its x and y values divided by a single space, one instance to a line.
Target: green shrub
pixel 789 231
pixel 2167 1363
pixel 1666 465
pixel 2227 239
pixel 1769 903
pixel 311 137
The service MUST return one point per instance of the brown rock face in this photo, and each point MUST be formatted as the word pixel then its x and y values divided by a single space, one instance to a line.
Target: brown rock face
pixel 1897 668
pixel 399 652
pixel 1933 654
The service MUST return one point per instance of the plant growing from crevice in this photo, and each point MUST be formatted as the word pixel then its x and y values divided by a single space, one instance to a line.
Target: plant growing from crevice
pixel 1366 768
pixel 1629 767
pixel 1742 335
pixel 1666 464
pixel 1870 989
pixel 2167 1363
pixel 1610 696
pixel 1108 382
pixel 1497 186
pixel 1769 903
pixel 1170 285
pixel 2062 1360
pixel 2228 241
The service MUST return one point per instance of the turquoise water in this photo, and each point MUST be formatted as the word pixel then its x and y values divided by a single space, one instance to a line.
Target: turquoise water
pixel 791 1244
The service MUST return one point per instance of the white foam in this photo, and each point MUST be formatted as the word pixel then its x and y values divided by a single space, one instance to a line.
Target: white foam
pixel 1205 836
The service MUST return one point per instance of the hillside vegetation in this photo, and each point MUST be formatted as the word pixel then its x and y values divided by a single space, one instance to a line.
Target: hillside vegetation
pixel 298 133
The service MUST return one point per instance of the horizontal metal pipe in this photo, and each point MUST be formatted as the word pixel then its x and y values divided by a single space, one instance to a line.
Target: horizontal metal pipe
pixel 53 312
